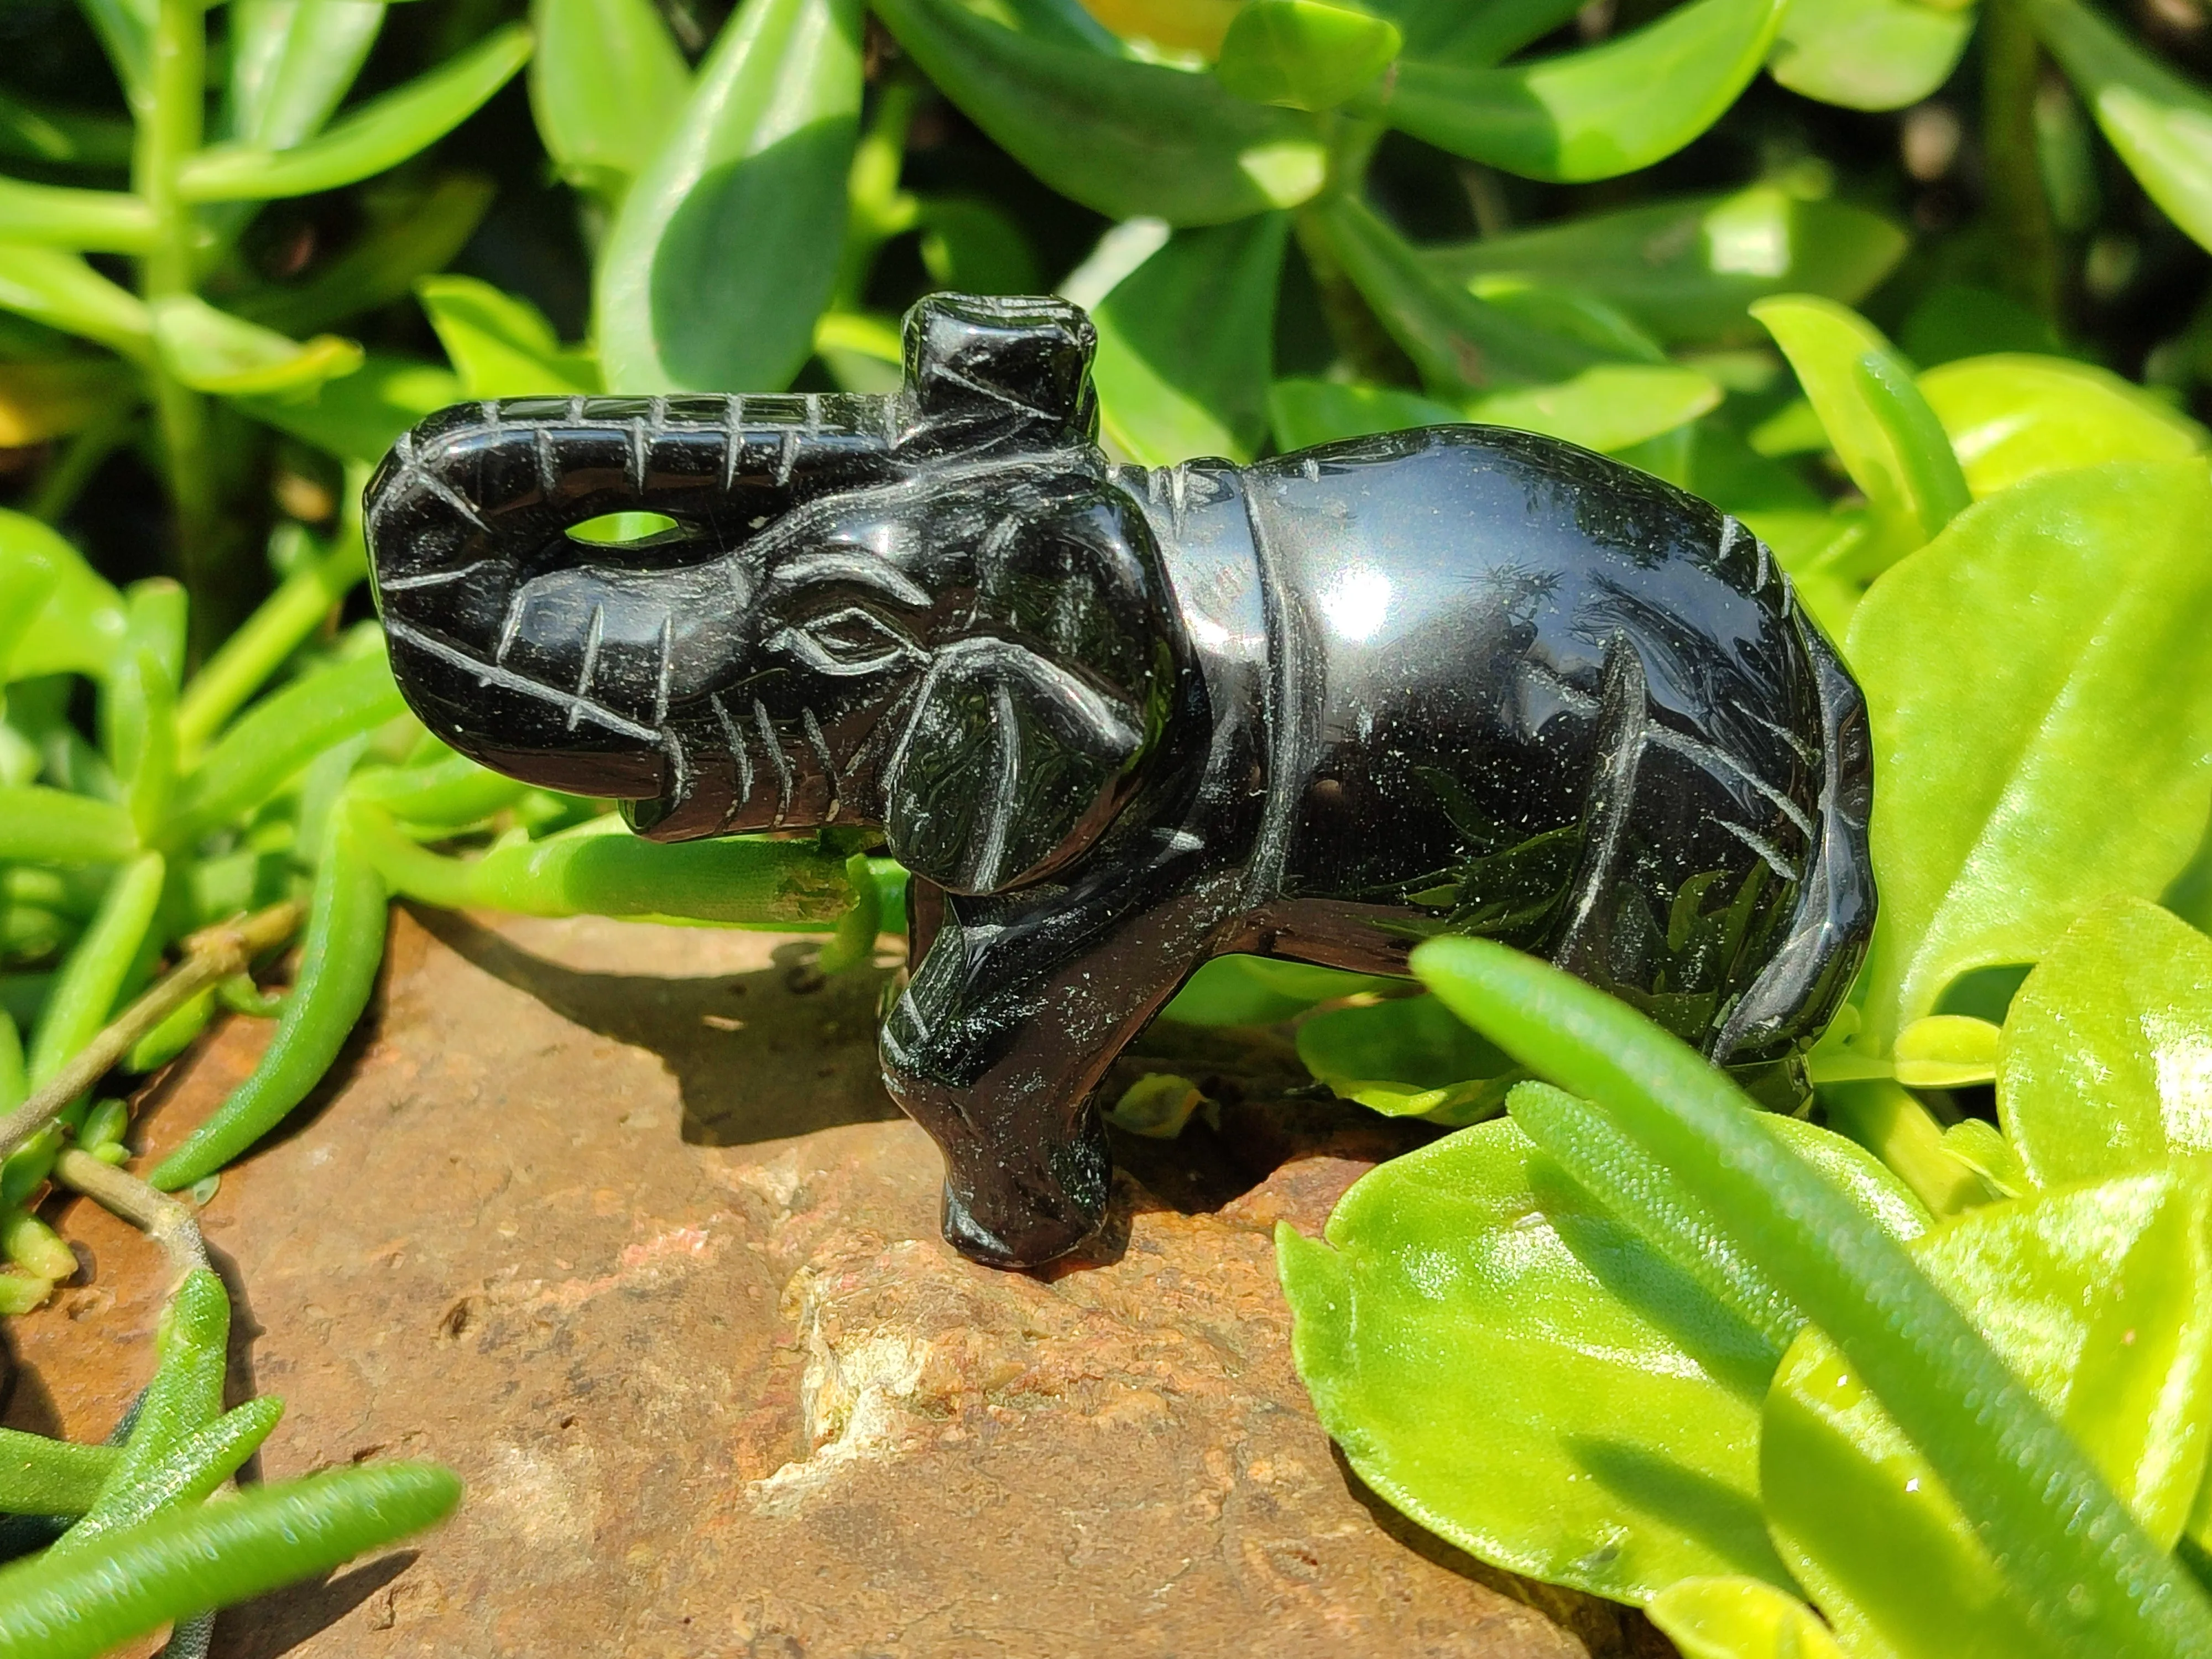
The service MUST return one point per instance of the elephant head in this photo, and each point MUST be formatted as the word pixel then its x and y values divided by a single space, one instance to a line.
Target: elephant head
pixel 929 611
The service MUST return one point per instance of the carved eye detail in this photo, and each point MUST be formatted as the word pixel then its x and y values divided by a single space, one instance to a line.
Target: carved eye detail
pixel 852 639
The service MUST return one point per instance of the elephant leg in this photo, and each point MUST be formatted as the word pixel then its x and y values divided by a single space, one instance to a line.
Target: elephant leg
pixel 1015 1009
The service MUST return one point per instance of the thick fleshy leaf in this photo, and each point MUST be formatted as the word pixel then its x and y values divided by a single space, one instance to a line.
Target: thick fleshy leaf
pixel 1881 428
pixel 973 247
pixel 1186 343
pixel 1689 269
pixel 357 417
pixel 1594 113
pixel 60 616
pixel 1191 26
pixel 1947 1051
pixel 2041 708
pixel 500 346
pixel 2013 416
pixel 2097 1298
pixel 1304 54
pixel 1128 139
pixel 2105 1064
pixel 726 246
pixel 1507 1364
pixel 1868 54
pixel 1408 1057
pixel 214 352
pixel 1304 412
pixel 607 80
pixel 55 287
pixel 1458 343
pixel 1241 990
pixel 1610 407
pixel 1474 37
pixel 291 62
pixel 2160 124
pixel 1740 1619
pixel 91 221
pixel 382 133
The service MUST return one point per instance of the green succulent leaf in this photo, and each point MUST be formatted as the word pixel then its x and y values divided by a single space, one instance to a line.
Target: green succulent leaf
pixel 1186 344
pixel 500 345
pixel 1126 138
pixel 1740 1619
pixel 56 287
pixel 726 247
pixel 125 28
pixel 380 134
pixel 1508 1363
pixel 1598 112
pixel 411 233
pixel 58 615
pixel 2097 1298
pixel 1474 37
pixel 1610 407
pixel 606 82
pixel 212 350
pixel 357 417
pixel 2160 124
pixel 1303 54
pixel 2013 415
pixel 1689 269
pixel 2041 710
pixel 89 220
pixel 291 63
pixel 1868 54
pixel 1408 1057
pixel 972 246
pixel 1242 990
pixel 2105 1064
pixel 1459 343
pixel 1882 431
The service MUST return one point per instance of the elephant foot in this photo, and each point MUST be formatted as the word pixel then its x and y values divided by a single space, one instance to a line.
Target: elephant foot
pixel 1001 1223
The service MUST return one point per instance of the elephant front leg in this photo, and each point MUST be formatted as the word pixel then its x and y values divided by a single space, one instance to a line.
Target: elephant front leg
pixel 999 1043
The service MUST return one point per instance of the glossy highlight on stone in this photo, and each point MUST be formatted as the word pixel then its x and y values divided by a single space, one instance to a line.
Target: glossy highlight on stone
pixel 1118 721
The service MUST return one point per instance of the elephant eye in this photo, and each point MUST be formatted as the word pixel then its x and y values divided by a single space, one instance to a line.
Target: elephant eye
pixel 850 641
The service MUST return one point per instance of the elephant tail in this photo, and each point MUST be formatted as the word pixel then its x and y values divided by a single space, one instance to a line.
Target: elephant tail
pixel 1811 970
pixel 548 658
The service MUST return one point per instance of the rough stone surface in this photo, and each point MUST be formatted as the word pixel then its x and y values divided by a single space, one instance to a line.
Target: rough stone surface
pixel 617 1221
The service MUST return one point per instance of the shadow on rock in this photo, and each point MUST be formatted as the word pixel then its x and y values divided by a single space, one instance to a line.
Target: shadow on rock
pixel 277 1623
pixel 757 1056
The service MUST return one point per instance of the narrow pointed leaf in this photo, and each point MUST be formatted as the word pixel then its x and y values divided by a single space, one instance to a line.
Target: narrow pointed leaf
pixel 728 245
pixel 607 82
pixel 380 134
pixel 55 287
pixel 356 418
pixel 1304 412
pixel 291 62
pixel 1689 269
pixel 1882 431
pixel 1186 344
pixel 1594 113
pixel 71 619
pixel 1740 1619
pixel 1128 139
pixel 1610 407
pixel 92 221
pixel 2160 124
pixel 125 28
pixel 1458 343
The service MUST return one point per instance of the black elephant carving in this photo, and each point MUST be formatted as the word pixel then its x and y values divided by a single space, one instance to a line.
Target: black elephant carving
pixel 1118 721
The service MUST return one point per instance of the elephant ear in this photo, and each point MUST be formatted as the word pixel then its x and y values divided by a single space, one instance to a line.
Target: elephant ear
pixel 1026 734
pixel 1011 766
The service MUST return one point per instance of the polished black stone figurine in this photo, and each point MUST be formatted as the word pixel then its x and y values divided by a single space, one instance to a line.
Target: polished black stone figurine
pixel 1116 721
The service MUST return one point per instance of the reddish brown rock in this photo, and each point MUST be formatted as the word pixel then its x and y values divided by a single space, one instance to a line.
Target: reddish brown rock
pixel 617 1221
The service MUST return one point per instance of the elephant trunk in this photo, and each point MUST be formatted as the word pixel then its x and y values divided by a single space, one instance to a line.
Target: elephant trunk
pixel 568 663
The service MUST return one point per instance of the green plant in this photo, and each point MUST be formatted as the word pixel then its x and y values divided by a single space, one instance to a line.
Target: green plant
pixel 1330 220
